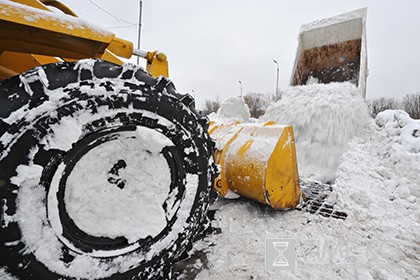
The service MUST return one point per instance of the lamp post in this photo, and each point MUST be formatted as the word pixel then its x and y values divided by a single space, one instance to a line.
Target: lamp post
pixel 277 83
pixel 241 87
pixel 138 36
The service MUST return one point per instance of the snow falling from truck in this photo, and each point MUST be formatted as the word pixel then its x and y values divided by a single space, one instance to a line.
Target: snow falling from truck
pixel 324 119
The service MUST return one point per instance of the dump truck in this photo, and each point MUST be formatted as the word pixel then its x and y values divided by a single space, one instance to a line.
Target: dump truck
pixel 106 170
pixel 333 50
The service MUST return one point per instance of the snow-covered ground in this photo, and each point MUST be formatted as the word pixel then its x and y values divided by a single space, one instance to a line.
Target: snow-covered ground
pixel 377 184
pixel 374 166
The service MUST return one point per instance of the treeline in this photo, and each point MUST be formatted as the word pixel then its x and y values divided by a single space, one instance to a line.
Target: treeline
pixel 258 104
pixel 410 103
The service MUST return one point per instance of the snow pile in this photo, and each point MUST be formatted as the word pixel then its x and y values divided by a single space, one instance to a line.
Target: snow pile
pixel 377 186
pixel 232 110
pixel 324 118
pixel 382 169
pixel 400 143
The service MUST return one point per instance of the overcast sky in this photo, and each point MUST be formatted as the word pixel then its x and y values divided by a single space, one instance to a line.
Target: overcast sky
pixel 213 44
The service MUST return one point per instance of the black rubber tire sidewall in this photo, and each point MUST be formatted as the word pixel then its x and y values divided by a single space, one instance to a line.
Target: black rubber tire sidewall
pixel 139 92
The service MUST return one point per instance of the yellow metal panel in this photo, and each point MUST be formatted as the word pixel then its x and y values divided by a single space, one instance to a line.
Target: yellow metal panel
pixel 13 63
pixel 28 26
pixel 157 64
pixel 18 62
pixel 31 30
pixel 54 22
pixel 59 6
pixel 225 135
pixel 32 3
pixel 121 47
pixel 282 179
pixel 257 161
pixel 111 58
pixel 247 161
pixel 6 73
pixel 42 59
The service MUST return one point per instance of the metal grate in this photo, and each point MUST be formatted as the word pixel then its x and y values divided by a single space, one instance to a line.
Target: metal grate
pixel 315 194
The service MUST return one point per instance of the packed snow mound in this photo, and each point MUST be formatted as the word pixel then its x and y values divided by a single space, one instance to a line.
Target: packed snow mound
pixel 382 167
pixel 401 130
pixel 233 109
pixel 388 160
pixel 325 117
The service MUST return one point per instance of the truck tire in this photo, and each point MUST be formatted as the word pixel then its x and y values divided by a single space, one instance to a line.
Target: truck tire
pixel 84 143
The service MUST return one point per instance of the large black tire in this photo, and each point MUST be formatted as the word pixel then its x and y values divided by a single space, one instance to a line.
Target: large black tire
pixel 39 239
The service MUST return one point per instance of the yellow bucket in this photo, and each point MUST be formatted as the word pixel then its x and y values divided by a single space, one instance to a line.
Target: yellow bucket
pixel 258 162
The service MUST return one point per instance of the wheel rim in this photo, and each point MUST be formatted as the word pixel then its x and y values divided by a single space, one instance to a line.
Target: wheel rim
pixel 127 207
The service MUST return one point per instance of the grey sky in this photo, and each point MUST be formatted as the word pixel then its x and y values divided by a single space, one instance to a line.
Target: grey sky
pixel 213 44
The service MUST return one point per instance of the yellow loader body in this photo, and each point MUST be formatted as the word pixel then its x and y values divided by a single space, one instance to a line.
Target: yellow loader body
pixel 29 27
pixel 258 161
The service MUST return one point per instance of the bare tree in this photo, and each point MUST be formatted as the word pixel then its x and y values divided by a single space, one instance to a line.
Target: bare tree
pixel 381 104
pixel 411 104
pixel 257 103
pixel 211 106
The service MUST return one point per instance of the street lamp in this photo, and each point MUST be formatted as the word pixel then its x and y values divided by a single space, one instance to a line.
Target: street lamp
pixel 277 83
pixel 241 87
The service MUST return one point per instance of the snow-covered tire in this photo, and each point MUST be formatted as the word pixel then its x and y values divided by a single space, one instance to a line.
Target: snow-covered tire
pixel 52 119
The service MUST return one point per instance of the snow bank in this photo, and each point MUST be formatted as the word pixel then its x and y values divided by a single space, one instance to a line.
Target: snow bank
pixel 382 170
pixel 232 110
pixel 324 118
pixel 377 186
pixel 400 141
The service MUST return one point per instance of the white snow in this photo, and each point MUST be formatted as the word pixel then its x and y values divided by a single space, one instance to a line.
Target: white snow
pixel 375 164
pixel 4 275
pixel 32 76
pixel 74 25
pixel 357 14
pixel 324 118
pixel 377 185
pixel 232 110
pixel 100 208
pixel 35 220
pixel 5 218
pixel 63 134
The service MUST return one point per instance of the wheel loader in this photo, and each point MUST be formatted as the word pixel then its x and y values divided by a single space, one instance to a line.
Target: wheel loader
pixel 107 172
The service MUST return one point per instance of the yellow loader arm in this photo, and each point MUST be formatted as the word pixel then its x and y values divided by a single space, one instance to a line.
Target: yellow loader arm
pixel 32 35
